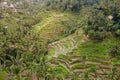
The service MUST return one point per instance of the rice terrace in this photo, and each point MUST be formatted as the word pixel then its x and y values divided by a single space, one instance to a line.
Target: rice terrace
pixel 59 39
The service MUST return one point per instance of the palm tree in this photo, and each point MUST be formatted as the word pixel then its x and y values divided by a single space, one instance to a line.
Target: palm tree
pixel 17 67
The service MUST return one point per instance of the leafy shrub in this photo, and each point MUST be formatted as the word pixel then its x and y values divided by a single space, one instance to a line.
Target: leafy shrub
pixel 115 50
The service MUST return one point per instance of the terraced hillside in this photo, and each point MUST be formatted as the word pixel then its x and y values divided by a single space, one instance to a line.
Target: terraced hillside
pixel 70 61
pixel 63 46
pixel 74 66
pixel 94 68
pixel 52 25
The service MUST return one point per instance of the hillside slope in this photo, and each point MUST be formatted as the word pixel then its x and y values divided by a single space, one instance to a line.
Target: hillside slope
pixel 53 26
pixel 86 61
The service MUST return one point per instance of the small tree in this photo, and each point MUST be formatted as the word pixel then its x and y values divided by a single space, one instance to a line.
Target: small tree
pixel 115 50
pixel 118 32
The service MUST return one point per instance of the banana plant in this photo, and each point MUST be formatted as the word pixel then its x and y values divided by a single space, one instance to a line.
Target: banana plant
pixel 17 67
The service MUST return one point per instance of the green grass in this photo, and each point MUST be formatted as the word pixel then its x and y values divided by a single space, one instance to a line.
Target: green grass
pixel 81 66
pixel 115 62
pixel 97 60
pixel 3 75
pixel 66 44
pixel 64 57
pixel 61 70
pixel 94 48
pixel 51 52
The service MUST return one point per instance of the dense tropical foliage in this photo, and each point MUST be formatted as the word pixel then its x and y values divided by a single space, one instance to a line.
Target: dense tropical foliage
pixel 25 50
